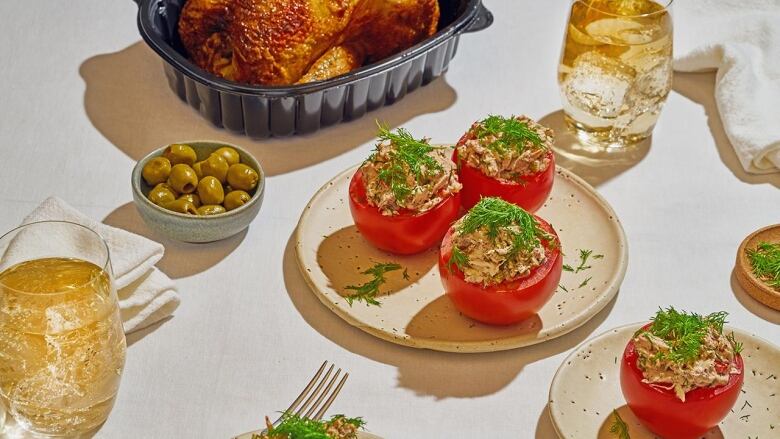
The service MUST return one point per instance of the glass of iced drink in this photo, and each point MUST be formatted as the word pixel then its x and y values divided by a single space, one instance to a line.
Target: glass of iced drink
pixel 615 70
pixel 62 347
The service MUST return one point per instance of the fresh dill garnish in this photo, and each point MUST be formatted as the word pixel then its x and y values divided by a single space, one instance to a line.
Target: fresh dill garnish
pixel 684 332
pixel 563 288
pixel 297 427
pixel 765 259
pixel 368 291
pixel 619 427
pixel 408 156
pixel 495 214
pixel 585 282
pixel 569 268
pixel 458 259
pixel 509 133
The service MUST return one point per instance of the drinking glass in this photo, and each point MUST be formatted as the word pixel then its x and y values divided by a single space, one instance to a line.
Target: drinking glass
pixel 62 347
pixel 615 70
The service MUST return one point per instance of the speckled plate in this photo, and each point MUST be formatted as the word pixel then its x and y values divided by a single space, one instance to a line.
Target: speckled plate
pixel 415 312
pixel 586 389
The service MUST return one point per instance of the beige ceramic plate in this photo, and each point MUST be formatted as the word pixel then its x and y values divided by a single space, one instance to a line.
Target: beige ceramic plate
pixel 586 389
pixel 414 312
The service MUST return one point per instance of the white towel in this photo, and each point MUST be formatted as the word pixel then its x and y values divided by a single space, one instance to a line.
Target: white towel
pixel 146 295
pixel 741 40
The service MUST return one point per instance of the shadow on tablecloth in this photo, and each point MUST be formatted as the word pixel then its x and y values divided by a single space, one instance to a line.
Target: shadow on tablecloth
pixel 128 100
pixel 700 88
pixel 426 372
pixel 596 169
pixel 181 259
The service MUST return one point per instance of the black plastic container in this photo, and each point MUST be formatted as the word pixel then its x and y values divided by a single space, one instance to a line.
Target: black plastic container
pixel 262 112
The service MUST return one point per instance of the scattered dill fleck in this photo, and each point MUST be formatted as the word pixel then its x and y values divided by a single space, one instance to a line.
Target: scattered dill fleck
pixel 297 427
pixel 569 268
pixel 584 255
pixel 409 156
pixel 619 427
pixel 458 259
pixel 585 282
pixel 509 133
pixel 684 332
pixel 563 288
pixel 765 259
pixel 406 274
pixel 746 404
pixel 367 292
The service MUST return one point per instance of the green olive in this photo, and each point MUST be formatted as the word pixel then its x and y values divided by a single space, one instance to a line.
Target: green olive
pixel 210 209
pixel 182 206
pixel 156 171
pixel 215 166
pixel 161 194
pixel 242 177
pixel 183 179
pixel 178 153
pixel 210 190
pixel 236 199
pixel 229 154
pixel 192 198
pixel 197 168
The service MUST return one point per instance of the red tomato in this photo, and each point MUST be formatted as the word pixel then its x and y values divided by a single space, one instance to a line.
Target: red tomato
pixel 529 192
pixel 508 302
pixel 664 414
pixel 405 233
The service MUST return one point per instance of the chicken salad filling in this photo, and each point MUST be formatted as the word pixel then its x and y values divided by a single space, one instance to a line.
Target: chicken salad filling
pixel 404 173
pixel 497 241
pixel 507 148
pixel 685 351
pixel 296 427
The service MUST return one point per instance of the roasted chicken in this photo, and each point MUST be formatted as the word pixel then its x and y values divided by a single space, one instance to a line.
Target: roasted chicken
pixel 281 42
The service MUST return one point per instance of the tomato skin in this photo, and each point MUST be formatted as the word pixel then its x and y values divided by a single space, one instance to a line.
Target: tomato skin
pixel 530 193
pixel 664 414
pixel 404 233
pixel 508 302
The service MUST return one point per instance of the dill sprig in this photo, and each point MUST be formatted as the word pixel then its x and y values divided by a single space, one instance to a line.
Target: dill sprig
pixel 408 156
pixel 619 427
pixel 684 332
pixel 368 291
pixel 297 427
pixel 458 259
pixel 765 259
pixel 509 133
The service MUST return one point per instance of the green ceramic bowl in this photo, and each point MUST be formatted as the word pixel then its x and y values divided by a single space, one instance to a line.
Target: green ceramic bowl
pixel 192 228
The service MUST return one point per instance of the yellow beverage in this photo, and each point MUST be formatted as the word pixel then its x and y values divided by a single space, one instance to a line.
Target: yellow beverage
pixel 616 69
pixel 62 347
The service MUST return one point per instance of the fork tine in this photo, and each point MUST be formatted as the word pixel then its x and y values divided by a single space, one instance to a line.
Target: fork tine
pixel 316 391
pixel 332 397
pixel 323 394
pixel 305 391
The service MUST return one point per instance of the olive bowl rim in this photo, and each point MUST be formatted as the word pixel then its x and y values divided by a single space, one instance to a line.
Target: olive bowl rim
pixel 136 183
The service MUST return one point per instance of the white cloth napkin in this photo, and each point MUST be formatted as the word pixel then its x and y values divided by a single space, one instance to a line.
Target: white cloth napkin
pixel 741 40
pixel 146 295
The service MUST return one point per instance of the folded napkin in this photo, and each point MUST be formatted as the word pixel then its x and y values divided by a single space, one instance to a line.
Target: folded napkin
pixel 741 40
pixel 146 295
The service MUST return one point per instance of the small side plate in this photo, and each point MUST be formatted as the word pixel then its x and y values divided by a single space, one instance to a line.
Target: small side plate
pixel 744 270
pixel 586 389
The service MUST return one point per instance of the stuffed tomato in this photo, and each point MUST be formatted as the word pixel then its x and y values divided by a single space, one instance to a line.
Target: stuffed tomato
pixel 509 158
pixel 404 197
pixel 681 375
pixel 500 264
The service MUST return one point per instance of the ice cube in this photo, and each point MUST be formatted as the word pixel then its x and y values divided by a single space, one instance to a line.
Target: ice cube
pixel 597 84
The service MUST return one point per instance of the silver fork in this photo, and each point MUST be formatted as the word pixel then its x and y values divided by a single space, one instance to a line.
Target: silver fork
pixel 314 400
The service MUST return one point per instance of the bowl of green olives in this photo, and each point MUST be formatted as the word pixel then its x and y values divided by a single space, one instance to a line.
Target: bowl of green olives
pixel 198 191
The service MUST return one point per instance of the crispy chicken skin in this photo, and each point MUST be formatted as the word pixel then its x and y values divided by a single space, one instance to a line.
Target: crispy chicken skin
pixel 281 42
